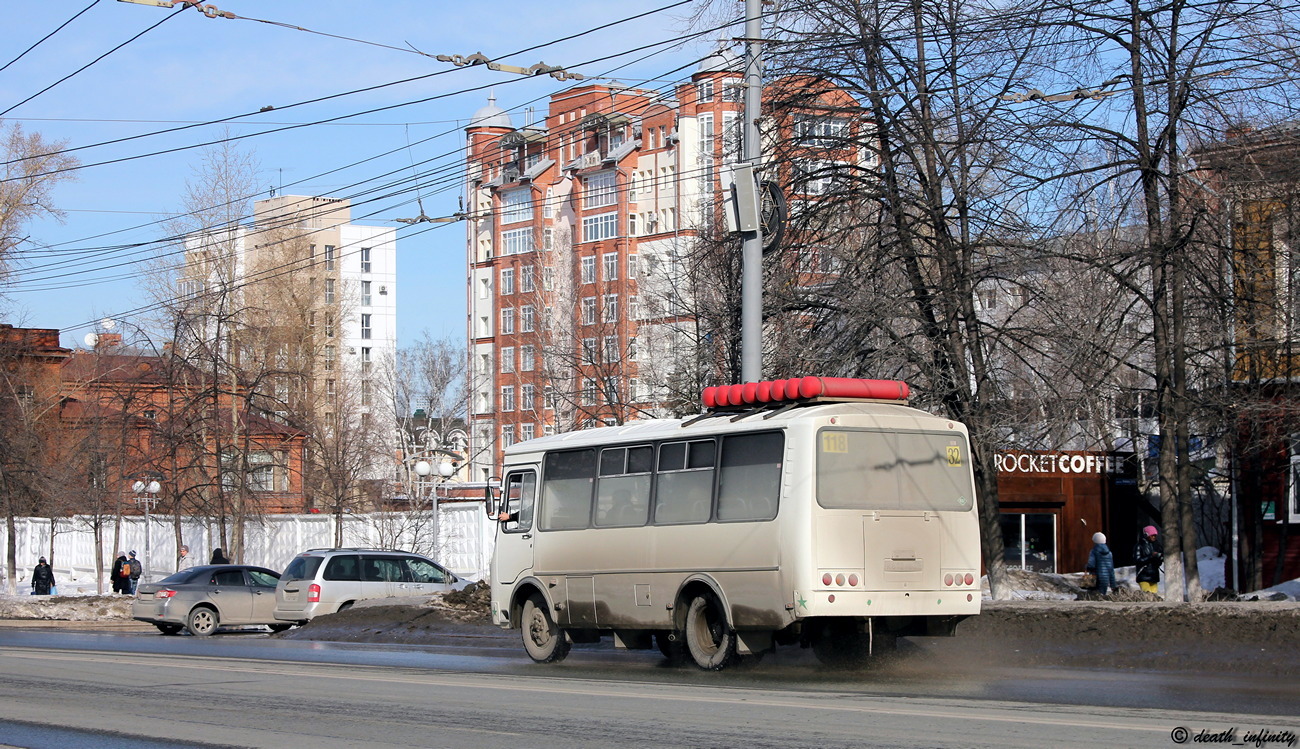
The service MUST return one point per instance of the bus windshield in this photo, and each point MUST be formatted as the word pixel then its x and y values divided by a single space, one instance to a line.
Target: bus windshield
pixel 867 470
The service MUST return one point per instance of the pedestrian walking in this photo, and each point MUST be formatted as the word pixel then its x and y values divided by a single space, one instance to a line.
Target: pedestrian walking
pixel 218 557
pixel 1102 564
pixel 1148 555
pixel 42 578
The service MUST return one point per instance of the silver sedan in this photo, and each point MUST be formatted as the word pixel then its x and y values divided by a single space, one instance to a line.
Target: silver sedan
pixel 202 599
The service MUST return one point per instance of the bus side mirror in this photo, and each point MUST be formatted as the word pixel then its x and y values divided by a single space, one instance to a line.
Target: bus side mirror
pixel 490 494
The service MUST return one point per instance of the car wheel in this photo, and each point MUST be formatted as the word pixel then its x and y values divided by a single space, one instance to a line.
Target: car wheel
pixel 543 638
pixel 202 621
pixel 710 640
pixel 279 627
pixel 169 629
pixel 345 606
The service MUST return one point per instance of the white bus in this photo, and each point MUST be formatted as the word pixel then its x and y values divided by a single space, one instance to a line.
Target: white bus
pixel 819 512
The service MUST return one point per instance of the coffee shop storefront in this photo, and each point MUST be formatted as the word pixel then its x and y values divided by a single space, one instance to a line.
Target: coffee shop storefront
pixel 1052 502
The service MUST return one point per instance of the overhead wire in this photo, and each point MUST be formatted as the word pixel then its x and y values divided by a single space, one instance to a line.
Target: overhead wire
pixel 45 38
pixel 165 19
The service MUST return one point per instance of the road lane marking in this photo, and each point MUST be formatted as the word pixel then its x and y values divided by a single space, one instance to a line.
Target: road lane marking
pixel 575 687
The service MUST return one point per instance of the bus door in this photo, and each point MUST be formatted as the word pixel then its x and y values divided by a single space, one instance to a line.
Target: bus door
pixel 514 548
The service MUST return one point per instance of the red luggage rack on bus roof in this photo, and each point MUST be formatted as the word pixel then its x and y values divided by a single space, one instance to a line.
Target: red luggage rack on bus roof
pixel 803 390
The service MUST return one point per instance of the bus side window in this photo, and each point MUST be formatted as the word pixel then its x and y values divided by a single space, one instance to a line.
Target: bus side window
pixel 623 491
pixel 568 478
pixel 521 489
pixel 684 488
pixel 749 480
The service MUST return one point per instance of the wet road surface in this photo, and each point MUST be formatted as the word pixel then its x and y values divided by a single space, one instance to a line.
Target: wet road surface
pixel 246 689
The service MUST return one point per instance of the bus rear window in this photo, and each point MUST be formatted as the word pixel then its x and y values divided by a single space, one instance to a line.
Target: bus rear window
pixel 862 470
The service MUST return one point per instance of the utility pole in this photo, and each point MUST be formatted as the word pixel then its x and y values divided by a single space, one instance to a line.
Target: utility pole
pixel 751 276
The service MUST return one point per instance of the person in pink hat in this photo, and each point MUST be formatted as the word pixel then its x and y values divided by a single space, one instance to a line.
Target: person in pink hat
pixel 1148 555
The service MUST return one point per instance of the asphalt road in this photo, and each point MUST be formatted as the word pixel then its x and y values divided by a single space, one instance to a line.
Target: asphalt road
pixel 131 689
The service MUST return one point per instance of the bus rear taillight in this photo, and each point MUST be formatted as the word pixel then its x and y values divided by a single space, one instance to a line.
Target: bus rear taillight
pixel 313 593
pixel 826 579
pixel 947 579
pixel 970 579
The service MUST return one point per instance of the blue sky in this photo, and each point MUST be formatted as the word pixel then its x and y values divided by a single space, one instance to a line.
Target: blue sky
pixel 194 69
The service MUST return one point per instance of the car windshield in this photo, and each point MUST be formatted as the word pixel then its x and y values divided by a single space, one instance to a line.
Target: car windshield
pixel 302 568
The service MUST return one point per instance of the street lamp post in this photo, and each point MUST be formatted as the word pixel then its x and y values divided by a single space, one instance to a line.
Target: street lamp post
pixel 150 489
pixel 424 468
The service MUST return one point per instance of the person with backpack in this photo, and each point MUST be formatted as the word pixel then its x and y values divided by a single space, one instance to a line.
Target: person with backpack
pixel 42 578
pixel 135 570
pixel 121 574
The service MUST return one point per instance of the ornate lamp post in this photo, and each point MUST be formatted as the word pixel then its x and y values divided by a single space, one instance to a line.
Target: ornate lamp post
pixel 146 494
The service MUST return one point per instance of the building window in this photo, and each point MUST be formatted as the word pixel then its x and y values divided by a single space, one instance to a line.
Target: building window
pixel 588 265
pixel 329 326
pixel 365 392
pixel 365 293
pixel 631 266
pixel 599 190
pixel 527 318
pixel 526 276
pixel 507 435
pixel 516 205
pixel 633 230
pixel 731 137
pixel 589 310
pixel 329 291
pixel 634 308
pixel 508 398
pixel 596 228
pixel 631 348
pixel 525 432
pixel 330 354
pixel 706 137
pixel 609 308
pixel 548 398
pixel 589 351
pixel 548 279
pixel 526 358
pixel 548 238
pixel 821 131
pixel 704 91
pixel 365 327
pixel 365 259
pixel 548 430
pixel 609 266
pixel 517 241
pixel 331 388
pixel 508 321
pixel 548 208
pixel 588 392
pixel 527 398
pixel 507 359
pixel 733 89
pixel 366 362
pixel 330 255
pixel 611 351
pixel 507 281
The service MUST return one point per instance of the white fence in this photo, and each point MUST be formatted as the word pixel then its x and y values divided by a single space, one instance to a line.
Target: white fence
pixel 460 538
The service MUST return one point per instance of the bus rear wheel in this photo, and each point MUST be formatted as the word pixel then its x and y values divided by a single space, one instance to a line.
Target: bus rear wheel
pixel 710 641
pixel 543 639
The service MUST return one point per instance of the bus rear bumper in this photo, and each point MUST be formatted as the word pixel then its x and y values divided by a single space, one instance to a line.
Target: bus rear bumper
pixel 876 603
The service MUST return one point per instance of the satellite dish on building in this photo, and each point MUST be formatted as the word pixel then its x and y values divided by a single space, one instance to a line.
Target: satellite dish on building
pixel 108 323
pixel 91 339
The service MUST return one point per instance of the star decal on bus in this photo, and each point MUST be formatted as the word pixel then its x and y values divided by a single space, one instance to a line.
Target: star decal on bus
pixel 803 603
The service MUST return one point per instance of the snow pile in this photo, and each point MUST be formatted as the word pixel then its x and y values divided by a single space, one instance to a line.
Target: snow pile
pixel 66 608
